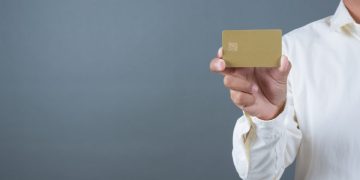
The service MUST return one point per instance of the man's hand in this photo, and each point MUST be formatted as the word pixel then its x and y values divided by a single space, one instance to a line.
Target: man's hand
pixel 260 92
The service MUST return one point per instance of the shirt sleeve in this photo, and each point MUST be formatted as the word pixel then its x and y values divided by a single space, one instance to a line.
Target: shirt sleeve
pixel 263 149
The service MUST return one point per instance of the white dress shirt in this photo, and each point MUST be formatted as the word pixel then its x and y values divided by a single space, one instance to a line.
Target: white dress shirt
pixel 320 125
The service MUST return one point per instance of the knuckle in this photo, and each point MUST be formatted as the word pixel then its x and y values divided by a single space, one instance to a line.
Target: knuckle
pixel 246 84
pixel 227 81
pixel 238 98
pixel 249 87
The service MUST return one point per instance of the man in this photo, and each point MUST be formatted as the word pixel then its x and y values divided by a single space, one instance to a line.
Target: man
pixel 307 108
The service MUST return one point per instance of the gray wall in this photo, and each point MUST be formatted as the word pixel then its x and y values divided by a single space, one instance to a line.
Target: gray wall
pixel 105 89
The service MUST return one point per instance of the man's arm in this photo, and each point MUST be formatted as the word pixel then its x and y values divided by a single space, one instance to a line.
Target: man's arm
pixel 263 149
pixel 267 138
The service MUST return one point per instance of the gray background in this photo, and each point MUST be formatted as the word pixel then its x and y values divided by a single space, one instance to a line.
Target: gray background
pixel 105 89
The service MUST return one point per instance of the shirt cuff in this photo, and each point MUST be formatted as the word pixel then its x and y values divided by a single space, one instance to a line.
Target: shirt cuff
pixel 244 125
pixel 277 122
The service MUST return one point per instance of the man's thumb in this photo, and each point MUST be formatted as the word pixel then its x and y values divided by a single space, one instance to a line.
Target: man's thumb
pixel 285 66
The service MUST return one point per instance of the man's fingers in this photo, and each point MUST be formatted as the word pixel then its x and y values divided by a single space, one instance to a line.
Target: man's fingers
pixel 242 99
pixel 239 84
pixel 217 65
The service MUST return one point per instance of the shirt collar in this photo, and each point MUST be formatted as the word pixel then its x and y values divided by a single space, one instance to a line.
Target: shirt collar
pixel 341 17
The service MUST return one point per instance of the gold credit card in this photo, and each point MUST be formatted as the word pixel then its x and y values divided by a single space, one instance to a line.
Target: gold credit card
pixel 252 48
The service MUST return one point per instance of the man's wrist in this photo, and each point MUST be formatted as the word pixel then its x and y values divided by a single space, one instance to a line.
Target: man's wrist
pixel 277 110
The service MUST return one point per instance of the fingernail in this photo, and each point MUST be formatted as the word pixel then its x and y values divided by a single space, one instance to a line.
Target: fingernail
pixel 283 65
pixel 219 53
pixel 219 66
